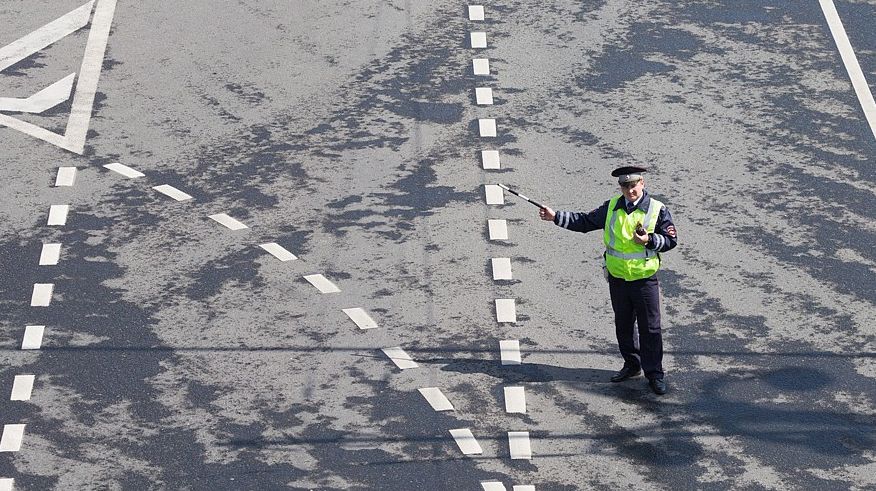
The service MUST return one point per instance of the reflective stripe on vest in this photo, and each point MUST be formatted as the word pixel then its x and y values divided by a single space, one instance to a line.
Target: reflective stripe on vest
pixel 624 258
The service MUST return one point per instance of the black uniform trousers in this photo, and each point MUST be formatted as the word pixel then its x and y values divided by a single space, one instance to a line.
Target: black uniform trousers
pixel 638 302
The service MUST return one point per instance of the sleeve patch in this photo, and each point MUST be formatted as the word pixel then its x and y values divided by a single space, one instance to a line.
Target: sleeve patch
pixel 671 231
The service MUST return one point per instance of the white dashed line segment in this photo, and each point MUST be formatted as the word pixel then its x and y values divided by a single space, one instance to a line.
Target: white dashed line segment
pixel 278 251
pixel 493 194
pixel 523 487
pixel 33 337
pixel 124 170
pixel 478 39
pixel 58 214
pixel 361 318
pixel 484 96
pixel 466 442
pixel 66 176
pixel 22 387
pixel 493 486
pixel 11 439
pixel 509 350
pixel 518 442
pixel 436 399
pixel 480 66
pixel 515 400
pixel 501 268
pixel 228 222
pixel 487 127
pixel 498 229
pixel 323 284
pixel 42 294
pixel 7 484
pixel 50 254
pixel 400 358
pixel 475 12
pixel 506 311
pixel 490 159
pixel 172 192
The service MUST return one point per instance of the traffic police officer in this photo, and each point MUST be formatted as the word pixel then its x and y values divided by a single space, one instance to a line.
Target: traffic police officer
pixel 636 229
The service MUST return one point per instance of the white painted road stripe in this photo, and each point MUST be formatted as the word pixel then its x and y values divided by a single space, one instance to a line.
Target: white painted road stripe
pixel 43 100
pixel 168 190
pixel 501 268
pixel 494 195
pixel 50 254
pixel 124 170
pixel 11 439
pixel 498 229
pixel 490 159
pixel 493 486
pixel 42 294
pixel 506 310
pixel 487 127
pixel 480 66
pixel 478 40
pixel 400 358
pixel 228 222
pixel 862 90
pixel 523 487
pixel 466 441
pixel 7 484
pixel 361 318
pixel 58 214
pixel 33 337
pixel 436 399
pixel 518 442
pixel 322 283
pixel 484 95
pixel 278 251
pixel 44 36
pixel 515 400
pixel 66 176
pixel 475 12
pixel 22 387
pixel 509 350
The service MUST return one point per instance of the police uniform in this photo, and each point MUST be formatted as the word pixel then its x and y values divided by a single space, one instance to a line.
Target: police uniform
pixel 631 272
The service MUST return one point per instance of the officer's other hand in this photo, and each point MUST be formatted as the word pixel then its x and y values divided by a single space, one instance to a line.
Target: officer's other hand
pixel 546 214
pixel 640 239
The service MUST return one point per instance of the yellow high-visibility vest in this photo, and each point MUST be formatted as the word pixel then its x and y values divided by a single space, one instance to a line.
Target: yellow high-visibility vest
pixel 623 257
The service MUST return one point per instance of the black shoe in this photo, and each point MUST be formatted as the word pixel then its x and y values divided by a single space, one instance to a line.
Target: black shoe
pixel 625 373
pixel 658 386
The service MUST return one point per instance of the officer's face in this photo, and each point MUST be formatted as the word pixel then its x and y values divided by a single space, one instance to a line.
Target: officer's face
pixel 633 191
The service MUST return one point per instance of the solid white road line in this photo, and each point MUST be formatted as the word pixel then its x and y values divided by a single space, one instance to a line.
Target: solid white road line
pixel 22 387
pixel 361 318
pixel 490 159
pixel 493 486
pixel 124 170
pixel 58 214
pixel 502 268
pixel 506 310
pixel 478 40
pixel 862 90
pixel 523 487
pixel 436 399
pixel 515 400
pixel 172 192
pixel 278 251
pixel 484 95
pixel 518 442
pixel 480 66
pixel 487 127
pixel 7 484
pixel 50 254
pixel 475 12
pixel 493 194
pixel 498 229
pixel 66 176
pixel 509 350
pixel 43 100
pixel 42 294
pixel 33 337
pixel 323 284
pixel 11 439
pixel 228 222
pixel 44 36
pixel 466 442
pixel 400 357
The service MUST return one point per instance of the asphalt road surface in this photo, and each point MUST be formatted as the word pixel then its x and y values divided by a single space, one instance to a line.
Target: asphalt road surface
pixel 145 345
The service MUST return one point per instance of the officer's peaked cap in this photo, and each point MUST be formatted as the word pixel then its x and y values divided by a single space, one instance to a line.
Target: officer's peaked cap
pixel 629 173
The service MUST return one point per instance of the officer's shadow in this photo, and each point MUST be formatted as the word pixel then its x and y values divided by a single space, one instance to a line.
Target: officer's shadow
pixel 527 372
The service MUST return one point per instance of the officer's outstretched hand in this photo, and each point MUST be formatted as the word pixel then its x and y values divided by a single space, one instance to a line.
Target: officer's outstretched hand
pixel 641 239
pixel 546 214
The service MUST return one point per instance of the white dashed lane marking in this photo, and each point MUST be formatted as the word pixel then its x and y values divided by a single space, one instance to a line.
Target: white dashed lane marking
pixel 493 194
pixel 506 311
pixel 478 39
pixel 22 387
pixel 278 251
pixel 493 486
pixel 498 229
pixel 436 399
pixel 487 127
pixel 323 284
pixel 515 400
pixel 11 439
pixel 466 442
pixel 228 222
pixel 50 254
pixel 490 159
pixel 518 442
pixel 502 268
pixel 400 358
pixel 58 214
pixel 66 176
pixel 124 170
pixel 42 294
pixel 484 96
pixel 33 337
pixel 509 350
pixel 361 318
pixel 7 484
pixel 480 66
pixel 523 487
pixel 172 192
pixel 475 12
